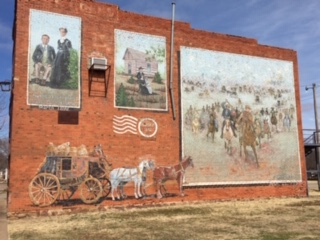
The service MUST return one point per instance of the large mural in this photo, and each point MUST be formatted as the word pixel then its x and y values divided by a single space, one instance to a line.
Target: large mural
pixel 239 120
pixel 54 61
pixel 140 71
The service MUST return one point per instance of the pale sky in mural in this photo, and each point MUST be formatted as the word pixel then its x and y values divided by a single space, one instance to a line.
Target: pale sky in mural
pixel 229 68
pixel 291 24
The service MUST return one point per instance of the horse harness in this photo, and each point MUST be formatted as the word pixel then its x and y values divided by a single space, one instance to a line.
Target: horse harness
pixel 139 173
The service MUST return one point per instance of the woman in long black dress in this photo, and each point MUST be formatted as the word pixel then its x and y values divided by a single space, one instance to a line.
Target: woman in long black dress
pixel 60 72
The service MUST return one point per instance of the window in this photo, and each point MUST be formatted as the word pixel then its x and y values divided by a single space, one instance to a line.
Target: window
pixel 129 68
pixel 148 67
pixel 66 164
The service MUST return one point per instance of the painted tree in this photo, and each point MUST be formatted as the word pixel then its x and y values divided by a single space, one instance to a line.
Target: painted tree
pixel 121 96
pixel 157 78
pixel 73 68
pixel 131 80
pixel 131 102
pixel 158 54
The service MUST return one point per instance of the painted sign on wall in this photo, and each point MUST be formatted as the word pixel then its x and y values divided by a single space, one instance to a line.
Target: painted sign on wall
pixel 146 127
pixel 54 61
pixel 140 71
pixel 239 120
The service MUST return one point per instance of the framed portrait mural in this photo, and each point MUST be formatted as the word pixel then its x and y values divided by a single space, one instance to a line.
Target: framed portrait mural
pixel 140 71
pixel 54 61
pixel 239 120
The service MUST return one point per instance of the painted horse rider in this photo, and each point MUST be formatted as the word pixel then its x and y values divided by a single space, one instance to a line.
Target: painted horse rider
pixel 226 114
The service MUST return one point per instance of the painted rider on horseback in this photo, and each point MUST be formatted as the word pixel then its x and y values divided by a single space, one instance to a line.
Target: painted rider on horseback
pixel 246 120
pixel 226 114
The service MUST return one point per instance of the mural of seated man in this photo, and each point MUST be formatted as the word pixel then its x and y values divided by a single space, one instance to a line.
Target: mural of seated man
pixel 144 84
pixel 43 58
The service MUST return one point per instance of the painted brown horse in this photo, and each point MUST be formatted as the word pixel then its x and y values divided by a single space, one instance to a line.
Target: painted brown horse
pixel 248 138
pixel 176 172
pixel 212 126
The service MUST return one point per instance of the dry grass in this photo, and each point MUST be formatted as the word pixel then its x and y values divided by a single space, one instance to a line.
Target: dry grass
pixel 284 218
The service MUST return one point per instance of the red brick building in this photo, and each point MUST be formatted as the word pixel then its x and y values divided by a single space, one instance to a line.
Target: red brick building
pixel 78 112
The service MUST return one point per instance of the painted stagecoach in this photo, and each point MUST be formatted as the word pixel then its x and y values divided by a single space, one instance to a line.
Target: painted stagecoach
pixel 60 176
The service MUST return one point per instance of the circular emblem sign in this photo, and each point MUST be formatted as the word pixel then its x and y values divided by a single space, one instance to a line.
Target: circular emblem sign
pixel 147 127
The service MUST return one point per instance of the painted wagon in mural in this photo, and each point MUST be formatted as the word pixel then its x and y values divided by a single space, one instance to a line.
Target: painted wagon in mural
pixel 60 177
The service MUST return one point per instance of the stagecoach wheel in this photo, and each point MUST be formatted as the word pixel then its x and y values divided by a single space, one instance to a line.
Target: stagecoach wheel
pixel 44 189
pixel 106 187
pixel 66 194
pixel 90 190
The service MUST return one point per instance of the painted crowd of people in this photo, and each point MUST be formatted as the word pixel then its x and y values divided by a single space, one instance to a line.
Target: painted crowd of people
pixel 273 120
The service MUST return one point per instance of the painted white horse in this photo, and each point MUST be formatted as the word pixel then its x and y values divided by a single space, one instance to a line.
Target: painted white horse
pixel 121 176
pixel 228 136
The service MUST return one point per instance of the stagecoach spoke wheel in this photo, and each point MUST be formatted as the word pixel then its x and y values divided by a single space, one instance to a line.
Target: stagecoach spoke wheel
pixel 90 190
pixel 106 187
pixel 44 189
pixel 66 194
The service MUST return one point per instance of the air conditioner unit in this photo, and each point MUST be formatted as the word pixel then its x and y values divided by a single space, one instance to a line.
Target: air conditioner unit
pixel 98 63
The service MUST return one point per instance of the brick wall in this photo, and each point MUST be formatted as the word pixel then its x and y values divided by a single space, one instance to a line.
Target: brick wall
pixel 32 128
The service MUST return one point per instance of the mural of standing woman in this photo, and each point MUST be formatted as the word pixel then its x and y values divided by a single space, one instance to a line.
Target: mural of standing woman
pixel 60 72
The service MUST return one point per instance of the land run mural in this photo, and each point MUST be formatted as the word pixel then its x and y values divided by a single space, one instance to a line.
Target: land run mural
pixel 140 71
pixel 54 61
pixel 239 119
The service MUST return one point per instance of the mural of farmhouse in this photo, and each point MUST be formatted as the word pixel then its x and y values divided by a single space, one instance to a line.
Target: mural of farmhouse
pixel 133 59
pixel 239 119
pixel 140 71
pixel 54 61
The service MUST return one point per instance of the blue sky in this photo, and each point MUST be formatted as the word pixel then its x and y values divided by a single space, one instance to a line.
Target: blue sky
pixel 292 24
